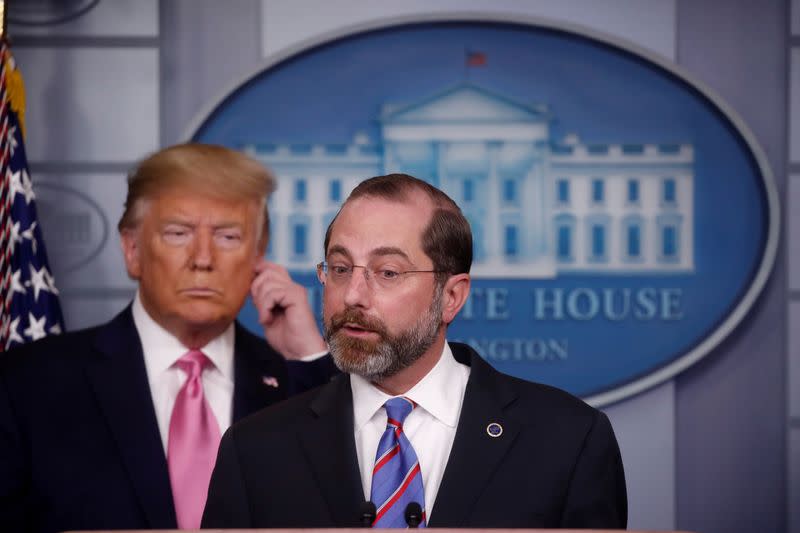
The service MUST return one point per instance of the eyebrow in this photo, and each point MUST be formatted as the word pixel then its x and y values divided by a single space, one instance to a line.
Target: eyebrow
pixel 380 252
pixel 338 249
pixel 190 223
pixel 390 250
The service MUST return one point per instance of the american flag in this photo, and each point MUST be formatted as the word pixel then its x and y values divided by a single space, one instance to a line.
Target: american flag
pixel 29 308
pixel 475 59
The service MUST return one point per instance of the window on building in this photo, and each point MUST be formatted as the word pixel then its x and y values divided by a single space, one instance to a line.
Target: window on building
pixel 668 191
pixel 509 191
pixel 562 191
pixel 300 237
pixel 511 241
pixel 300 191
pixel 335 190
pixel 634 241
pixel 669 242
pixel 632 234
pixel 668 232
pixel 598 241
pixel 469 190
pixel 564 244
pixel 633 191
pixel 565 236
pixel 598 191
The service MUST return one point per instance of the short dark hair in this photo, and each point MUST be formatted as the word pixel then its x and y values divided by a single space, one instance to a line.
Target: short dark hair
pixel 447 239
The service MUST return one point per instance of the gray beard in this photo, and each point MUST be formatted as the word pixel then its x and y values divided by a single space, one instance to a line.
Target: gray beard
pixel 376 361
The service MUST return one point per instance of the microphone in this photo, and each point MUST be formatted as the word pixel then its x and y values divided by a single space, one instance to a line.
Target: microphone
pixel 413 515
pixel 366 514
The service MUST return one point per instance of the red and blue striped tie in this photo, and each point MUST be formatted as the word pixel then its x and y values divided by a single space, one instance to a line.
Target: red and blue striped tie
pixel 396 477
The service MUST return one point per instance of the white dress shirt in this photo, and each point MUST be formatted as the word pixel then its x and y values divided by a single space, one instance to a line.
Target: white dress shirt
pixel 162 350
pixel 430 427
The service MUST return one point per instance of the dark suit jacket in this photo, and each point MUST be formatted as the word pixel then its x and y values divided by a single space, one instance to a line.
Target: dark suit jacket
pixel 556 464
pixel 79 441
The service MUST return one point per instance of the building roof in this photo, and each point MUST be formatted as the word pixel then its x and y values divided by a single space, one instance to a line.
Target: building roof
pixel 463 103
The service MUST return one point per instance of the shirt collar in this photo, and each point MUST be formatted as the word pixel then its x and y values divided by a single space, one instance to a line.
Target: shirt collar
pixel 162 349
pixel 434 393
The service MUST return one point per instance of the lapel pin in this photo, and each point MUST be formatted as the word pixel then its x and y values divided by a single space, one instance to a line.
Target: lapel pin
pixel 494 430
pixel 269 381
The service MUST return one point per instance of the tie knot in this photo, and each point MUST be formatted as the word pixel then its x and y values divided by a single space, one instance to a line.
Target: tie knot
pixel 193 362
pixel 398 408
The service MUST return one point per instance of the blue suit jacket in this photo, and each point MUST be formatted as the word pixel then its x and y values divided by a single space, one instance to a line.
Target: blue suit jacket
pixel 556 464
pixel 79 441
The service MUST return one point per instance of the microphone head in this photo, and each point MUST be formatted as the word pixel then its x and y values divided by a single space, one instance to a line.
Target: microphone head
pixel 413 514
pixel 366 514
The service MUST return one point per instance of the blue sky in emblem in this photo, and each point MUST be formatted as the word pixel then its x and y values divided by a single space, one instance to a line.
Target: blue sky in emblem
pixel 605 95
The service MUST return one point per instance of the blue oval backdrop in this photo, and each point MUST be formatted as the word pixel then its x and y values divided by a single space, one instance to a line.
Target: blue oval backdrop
pixel 624 218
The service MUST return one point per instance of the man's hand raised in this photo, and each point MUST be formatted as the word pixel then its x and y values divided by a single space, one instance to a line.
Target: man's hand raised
pixel 284 312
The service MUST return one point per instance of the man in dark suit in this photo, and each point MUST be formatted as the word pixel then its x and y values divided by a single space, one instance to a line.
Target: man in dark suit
pixel 96 426
pixel 415 420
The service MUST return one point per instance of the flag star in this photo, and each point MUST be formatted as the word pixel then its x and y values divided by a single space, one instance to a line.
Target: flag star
pixel 15 237
pixel 39 281
pixel 16 285
pixel 55 330
pixel 28 234
pixel 15 184
pixel 12 139
pixel 51 281
pixel 13 334
pixel 35 329
pixel 27 184
pixel 21 183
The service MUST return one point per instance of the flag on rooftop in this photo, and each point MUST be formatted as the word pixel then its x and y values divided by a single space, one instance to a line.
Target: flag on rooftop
pixel 476 59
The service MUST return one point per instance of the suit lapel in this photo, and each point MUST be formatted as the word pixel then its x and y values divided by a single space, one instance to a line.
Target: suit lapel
pixel 330 447
pixel 118 377
pixel 259 375
pixel 475 454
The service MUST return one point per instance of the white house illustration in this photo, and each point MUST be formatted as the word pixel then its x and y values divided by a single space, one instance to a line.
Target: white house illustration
pixel 537 206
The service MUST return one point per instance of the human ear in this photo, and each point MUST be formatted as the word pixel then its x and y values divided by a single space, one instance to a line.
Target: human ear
pixel 454 295
pixel 129 241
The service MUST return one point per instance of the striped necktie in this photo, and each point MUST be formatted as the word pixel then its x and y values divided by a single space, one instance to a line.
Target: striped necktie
pixel 396 477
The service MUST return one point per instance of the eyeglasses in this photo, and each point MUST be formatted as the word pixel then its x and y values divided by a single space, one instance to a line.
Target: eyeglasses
pixel 340 274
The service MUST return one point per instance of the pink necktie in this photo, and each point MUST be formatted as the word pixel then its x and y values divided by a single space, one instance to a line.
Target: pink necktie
pixel 193 442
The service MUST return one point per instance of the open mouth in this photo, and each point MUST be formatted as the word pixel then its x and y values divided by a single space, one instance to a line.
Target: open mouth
pixel 357 330
pixel 356 325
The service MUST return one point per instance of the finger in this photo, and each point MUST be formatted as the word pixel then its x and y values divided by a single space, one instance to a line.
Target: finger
pixel 271 302
pixel 266 306
pixel 278 270
pixel 277 276
pixel 269 276
pixel 260 265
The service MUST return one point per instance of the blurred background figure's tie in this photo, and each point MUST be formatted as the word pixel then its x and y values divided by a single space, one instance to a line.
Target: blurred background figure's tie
pixel 193 442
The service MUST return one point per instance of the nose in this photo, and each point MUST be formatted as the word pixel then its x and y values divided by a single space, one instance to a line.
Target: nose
pixel 202 253
pixel 357 292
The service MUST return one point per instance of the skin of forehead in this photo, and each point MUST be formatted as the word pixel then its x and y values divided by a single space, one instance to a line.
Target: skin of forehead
pixel 415 199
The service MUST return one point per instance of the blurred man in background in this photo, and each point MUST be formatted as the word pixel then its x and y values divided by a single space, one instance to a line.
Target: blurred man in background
pixel 117 426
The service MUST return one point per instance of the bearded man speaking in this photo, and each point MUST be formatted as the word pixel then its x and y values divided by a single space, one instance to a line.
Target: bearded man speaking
pixel 417 430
